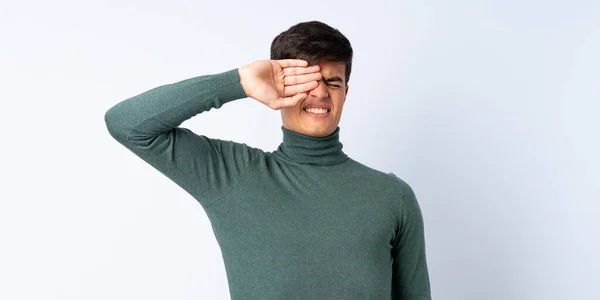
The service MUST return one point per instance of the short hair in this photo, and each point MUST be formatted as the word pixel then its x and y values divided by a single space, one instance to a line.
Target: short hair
pixel 313 41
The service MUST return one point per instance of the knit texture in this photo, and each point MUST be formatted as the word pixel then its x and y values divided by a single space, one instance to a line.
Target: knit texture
pixel 302 222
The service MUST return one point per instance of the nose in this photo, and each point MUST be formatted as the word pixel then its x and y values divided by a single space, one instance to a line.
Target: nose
pixel 320 91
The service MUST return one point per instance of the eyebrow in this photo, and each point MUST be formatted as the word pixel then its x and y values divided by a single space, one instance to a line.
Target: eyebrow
pixel 333 78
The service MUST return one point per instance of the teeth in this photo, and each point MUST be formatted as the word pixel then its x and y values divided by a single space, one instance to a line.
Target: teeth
pixel 316 110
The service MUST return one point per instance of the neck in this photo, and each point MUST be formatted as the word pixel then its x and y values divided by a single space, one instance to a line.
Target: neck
pixel 305 149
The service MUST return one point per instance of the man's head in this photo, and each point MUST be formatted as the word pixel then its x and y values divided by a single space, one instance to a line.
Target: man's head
pixel 318 43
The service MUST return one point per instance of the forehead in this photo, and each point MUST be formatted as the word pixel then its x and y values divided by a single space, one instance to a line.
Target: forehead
pixel 332 68
pixel 337 66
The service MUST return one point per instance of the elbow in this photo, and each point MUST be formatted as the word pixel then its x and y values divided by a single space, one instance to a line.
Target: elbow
pixel 120 123
pixel 114 121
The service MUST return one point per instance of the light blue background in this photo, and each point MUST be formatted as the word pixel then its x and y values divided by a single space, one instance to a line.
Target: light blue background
pixel 489 109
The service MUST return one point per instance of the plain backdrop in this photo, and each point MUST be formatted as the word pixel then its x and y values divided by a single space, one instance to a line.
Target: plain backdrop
pixel 488 109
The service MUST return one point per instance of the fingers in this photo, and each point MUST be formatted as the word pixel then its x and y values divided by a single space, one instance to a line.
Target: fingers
pixel 284 102
pixel 290 90
pixel 299 79
pixel 300 70
pixel 286 63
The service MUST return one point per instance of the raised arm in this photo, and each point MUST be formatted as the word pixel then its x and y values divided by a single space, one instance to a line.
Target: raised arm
pixel 207 168
pixel 147 124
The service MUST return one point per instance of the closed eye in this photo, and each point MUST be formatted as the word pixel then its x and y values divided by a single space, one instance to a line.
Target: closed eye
pixel 333 79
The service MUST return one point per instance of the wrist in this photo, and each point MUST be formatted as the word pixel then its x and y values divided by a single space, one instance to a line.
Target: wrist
pixel 242 73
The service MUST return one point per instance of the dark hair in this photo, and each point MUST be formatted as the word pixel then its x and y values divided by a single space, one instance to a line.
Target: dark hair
pixel 313 41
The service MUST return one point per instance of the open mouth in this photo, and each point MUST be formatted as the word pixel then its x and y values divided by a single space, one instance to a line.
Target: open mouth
pixel 317 111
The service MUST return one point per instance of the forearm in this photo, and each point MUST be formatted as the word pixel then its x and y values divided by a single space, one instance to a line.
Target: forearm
pixel 160 109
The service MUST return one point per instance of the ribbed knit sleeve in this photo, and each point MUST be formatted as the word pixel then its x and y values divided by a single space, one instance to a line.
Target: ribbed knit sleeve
pixel 148 125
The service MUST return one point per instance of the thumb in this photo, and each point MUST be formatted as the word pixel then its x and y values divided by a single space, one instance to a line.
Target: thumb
pixel 284 102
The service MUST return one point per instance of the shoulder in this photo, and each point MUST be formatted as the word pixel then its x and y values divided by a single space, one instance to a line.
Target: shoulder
pixel 387 185
pixel 380 178
pixel 408 205
pixel 401 184
pixel 388 189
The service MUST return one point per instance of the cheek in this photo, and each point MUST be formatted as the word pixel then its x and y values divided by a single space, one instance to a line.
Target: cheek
pixel 286 114
pixel 291 112
pixel 338 101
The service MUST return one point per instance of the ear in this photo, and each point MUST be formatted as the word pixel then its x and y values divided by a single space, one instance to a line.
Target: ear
pixel 347 87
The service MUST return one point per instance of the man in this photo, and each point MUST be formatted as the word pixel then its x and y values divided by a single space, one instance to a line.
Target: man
pixel 304 221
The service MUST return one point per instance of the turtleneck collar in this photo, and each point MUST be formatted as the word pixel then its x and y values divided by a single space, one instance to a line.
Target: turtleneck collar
pixel 305 149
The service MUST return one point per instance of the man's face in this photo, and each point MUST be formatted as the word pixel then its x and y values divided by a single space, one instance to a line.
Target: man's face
pixel 319 114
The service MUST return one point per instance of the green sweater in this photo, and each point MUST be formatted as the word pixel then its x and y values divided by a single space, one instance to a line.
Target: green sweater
pixel 302 222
